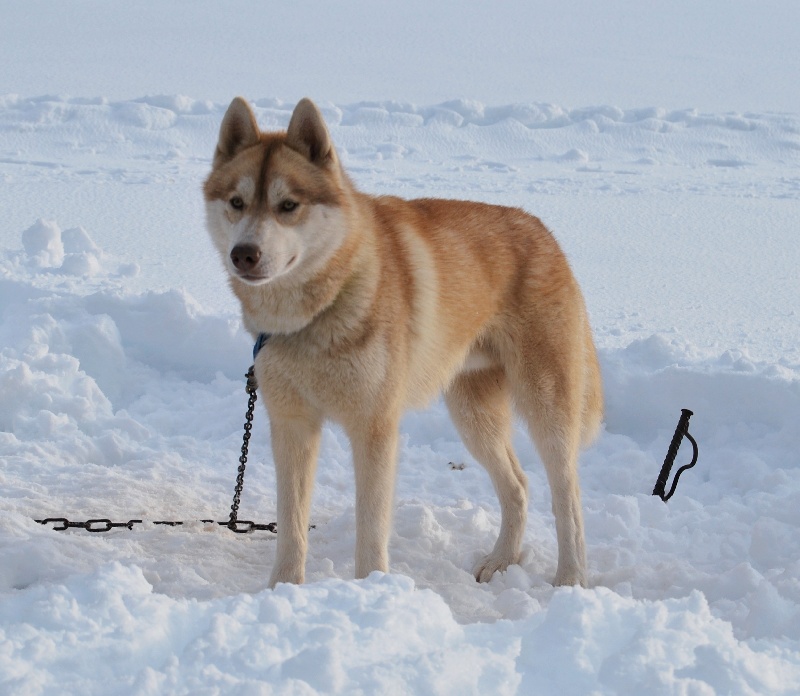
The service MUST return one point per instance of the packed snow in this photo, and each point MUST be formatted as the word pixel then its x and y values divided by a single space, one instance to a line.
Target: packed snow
pixel 122 360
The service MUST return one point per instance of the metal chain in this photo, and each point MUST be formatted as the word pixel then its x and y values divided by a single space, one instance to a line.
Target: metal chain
pixel 59 524
pixel 103 524
pixel 251 388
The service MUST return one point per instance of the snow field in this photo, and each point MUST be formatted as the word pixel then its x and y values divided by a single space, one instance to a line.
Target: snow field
pixel 719 55
pixel 122 395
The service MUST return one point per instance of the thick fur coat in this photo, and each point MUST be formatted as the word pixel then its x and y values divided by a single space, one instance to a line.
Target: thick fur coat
pixel 378 304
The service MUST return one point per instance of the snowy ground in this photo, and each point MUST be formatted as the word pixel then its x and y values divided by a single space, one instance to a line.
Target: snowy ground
pixel 121 362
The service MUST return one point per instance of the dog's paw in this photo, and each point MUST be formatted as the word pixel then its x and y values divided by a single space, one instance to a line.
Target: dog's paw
pixel 569 577
pixel 489 565
pixel 293 575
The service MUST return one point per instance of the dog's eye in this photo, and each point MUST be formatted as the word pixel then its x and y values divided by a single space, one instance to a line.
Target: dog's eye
pixel 288 206
pixel 236 203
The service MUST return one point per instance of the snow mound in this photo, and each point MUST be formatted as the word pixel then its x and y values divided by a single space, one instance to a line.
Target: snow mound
pixel 374 636
pixel 379 635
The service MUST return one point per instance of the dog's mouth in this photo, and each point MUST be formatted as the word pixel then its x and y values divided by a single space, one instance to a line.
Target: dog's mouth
pixel 251 278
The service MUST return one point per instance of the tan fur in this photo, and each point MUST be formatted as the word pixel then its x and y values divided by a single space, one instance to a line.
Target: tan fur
pixel 378 304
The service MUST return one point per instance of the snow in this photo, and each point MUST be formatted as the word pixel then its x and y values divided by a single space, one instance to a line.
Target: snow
pixel 643 135
pixel 715 55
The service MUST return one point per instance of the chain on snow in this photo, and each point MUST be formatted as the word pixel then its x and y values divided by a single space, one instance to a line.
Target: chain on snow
pixel 103 524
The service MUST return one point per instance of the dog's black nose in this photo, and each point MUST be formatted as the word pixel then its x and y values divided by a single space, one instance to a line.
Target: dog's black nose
pixel 245 256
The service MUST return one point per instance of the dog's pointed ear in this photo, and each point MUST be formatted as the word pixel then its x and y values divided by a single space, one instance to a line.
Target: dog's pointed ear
pixel 238 131
pixel 308 134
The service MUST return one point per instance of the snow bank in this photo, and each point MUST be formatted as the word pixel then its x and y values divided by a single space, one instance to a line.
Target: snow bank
pixel 180 127
pixel 374 636
pixel 379 635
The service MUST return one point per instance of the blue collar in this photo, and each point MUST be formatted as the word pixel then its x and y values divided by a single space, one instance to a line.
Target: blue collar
pixel 260 341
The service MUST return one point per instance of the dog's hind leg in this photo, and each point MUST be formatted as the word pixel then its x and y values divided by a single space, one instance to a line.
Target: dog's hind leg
pixel 551 405
pixel 479 404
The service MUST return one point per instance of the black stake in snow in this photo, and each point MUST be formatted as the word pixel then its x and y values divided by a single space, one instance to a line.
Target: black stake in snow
pixel 680 432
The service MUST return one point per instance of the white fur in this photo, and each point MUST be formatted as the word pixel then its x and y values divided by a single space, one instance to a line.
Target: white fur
pixel 300 249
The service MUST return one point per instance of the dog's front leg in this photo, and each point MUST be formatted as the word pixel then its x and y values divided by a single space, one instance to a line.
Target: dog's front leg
pixel 295 445
pixel 375 459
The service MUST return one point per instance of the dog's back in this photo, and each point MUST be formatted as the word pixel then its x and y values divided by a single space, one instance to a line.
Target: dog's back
pixel 481 284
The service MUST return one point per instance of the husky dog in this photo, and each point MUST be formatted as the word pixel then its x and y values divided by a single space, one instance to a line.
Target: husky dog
pixel 375 305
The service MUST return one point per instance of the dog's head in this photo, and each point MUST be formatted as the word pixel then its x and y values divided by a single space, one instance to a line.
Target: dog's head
pixel 274 200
